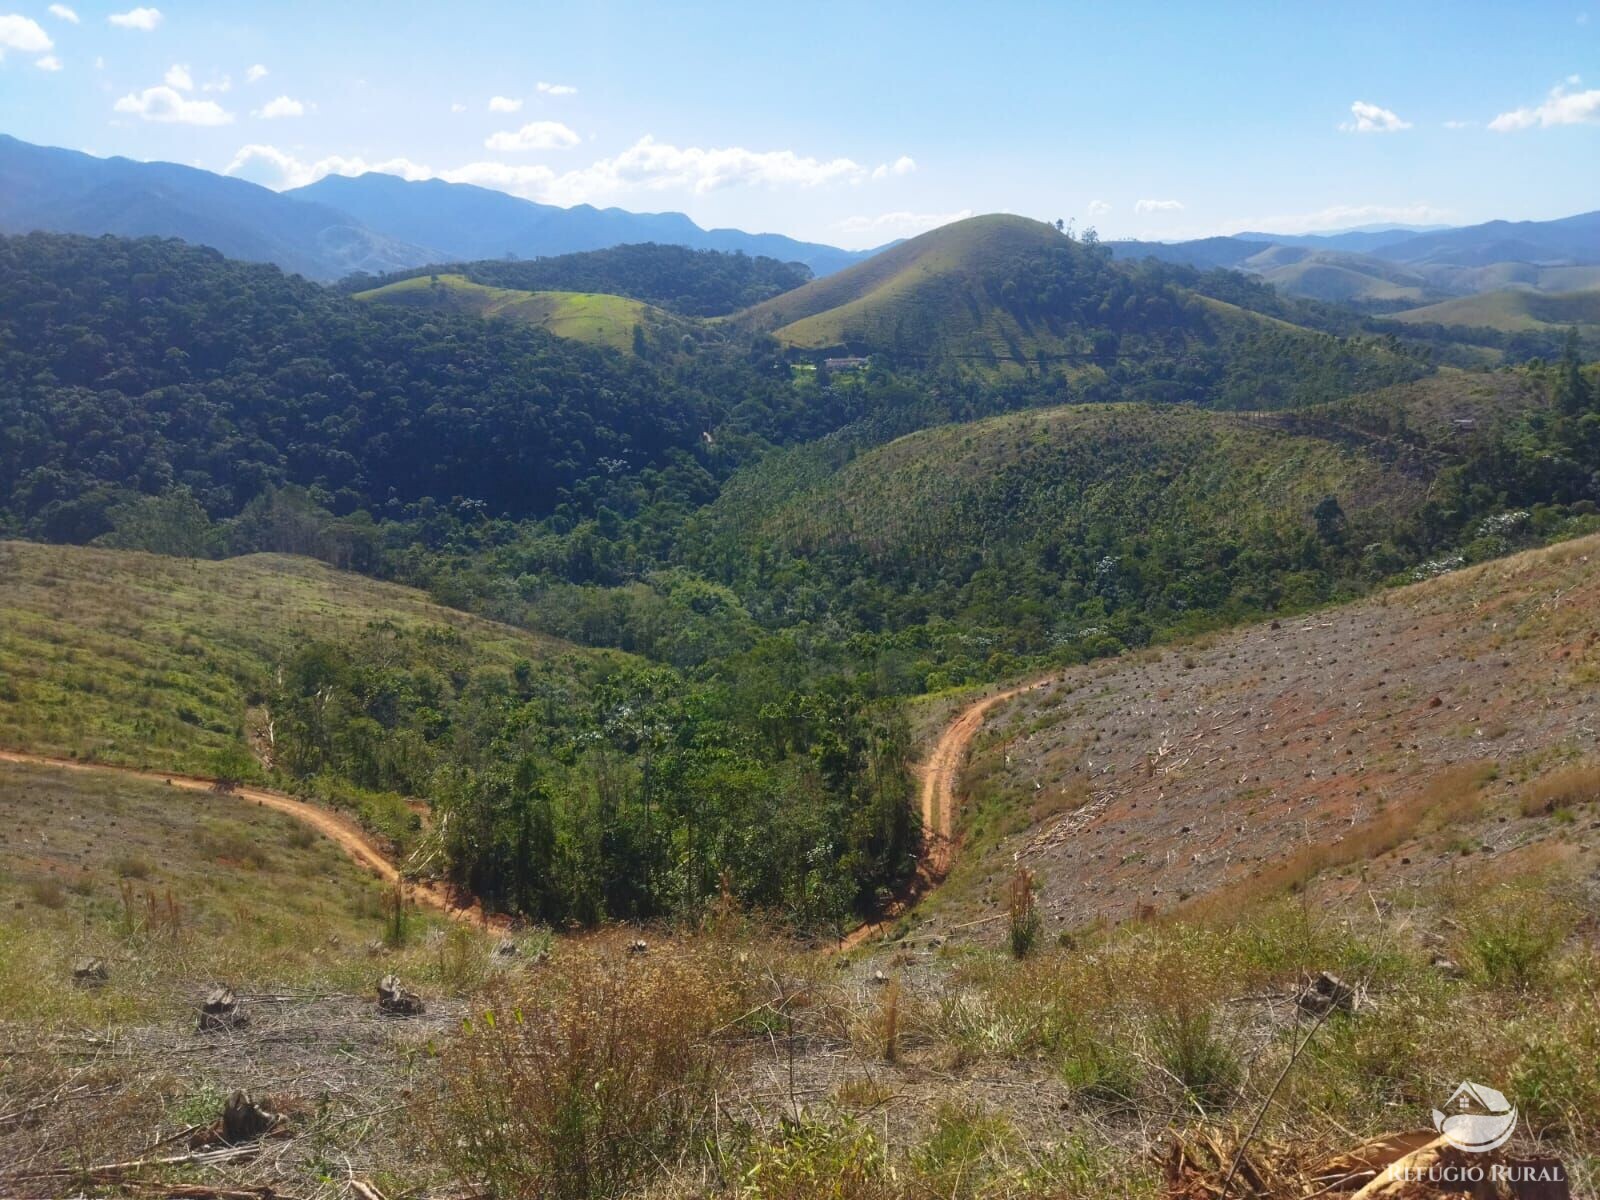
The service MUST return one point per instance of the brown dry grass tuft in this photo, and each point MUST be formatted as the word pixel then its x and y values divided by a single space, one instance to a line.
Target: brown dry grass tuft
pixel 1563 789
pixel 1453 795
pixel 603 1070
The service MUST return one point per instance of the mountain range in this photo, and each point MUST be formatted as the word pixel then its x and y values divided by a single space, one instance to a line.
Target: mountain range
pixel 338 226
pixel 1402 268
pixel 378 224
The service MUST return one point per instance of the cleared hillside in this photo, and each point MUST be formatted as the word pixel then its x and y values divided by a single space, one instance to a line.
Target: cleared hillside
pixel 1512 310
pixel 595 318
pixel 158 662
pixel 1429 730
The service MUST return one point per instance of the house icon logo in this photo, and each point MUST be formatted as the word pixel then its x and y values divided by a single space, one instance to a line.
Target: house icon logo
pixel 1476 1118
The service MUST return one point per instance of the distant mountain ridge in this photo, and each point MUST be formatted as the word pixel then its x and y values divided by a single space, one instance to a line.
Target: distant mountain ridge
pixel 465 223
pixel 52 190
pixel 1392 267
pixel 339 225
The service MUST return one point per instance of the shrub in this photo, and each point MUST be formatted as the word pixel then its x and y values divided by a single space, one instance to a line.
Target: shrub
pixel 1193 1050
pixel 1023 910
pixel 813 1160
pixel 576 1089
pixel 961 1150
pixel 1510 937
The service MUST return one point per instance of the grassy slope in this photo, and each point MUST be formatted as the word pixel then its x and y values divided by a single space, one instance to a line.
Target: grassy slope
pixel 1431 406
pixel 1335 284
pixel 1334 278
pixel 1511 310
pixel 963 489
pixel 592 317
pixel 933 276
pixel 149 661
pixel 933 289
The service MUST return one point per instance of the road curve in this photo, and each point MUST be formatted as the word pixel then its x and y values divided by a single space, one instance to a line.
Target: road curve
pixel 941 775
pixel 340 830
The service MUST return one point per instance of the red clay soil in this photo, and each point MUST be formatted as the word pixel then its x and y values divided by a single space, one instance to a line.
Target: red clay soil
pixel 338 829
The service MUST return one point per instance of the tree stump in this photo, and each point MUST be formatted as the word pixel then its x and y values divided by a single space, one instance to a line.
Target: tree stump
pixel 1328 993
pixel 90 972
pixel 220 1010
pixel 243 1120
pixel 396 1000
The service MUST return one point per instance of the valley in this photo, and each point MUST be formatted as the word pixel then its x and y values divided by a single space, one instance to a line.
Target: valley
pixel 625 708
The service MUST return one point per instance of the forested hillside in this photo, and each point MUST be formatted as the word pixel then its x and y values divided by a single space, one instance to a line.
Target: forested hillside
pixel 136 368
pixel 712 505
pixel 565 783
pixel 692 283
pixel 1001 295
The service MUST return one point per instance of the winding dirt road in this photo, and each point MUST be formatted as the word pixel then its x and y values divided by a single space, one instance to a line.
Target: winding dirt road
pixel 941 774
pixel 340 830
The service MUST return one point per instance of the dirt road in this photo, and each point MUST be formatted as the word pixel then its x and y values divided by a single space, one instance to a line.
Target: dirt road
pixel 338 829
pixel 941 774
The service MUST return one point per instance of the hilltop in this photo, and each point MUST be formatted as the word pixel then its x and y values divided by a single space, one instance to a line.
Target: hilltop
pixel 1381 270
pixel 1010 296
pixel 1067 527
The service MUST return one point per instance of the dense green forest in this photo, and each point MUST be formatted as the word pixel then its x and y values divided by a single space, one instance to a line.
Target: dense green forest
pixel 789 551
pixel 631 792
pixel 693 283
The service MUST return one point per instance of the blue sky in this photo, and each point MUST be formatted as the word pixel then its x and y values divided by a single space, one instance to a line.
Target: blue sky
pixel 853 123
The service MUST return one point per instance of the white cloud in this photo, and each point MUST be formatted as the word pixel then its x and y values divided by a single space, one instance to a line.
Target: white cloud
pixel 1369 118
pixel 48 63
pixel 283 106
pixel 63 13
pixel 556 89
pixel 168 106
pixel 255 74
pixel 1099 208
pixel 898 224
pixel 903 165
pixel 504 104
pixel 1564 106
pixel 283 170
pixel 1460 124
pixel 222 84
pixel 646 166
pixel 652 166
pixel 143 19
pixel 178 76
pixel 1343 216
pixel 458 108
pixel 1158 206
pixel 20 33
pixel 536 135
